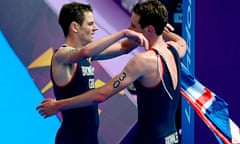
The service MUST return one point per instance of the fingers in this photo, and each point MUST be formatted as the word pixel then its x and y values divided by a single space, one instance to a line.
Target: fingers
pixel 137 37
pixel 41 106
pixel 168 28
pixel 42 111
pixel 45 109
pixel 146 44
pixel 142 41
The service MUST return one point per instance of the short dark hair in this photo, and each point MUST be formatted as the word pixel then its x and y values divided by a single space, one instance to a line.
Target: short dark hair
pixel 152 12
pixel 70 12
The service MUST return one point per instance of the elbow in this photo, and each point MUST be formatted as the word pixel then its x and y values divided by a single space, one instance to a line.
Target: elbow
pixel 183 48
pixel 86 53
pixel 127 46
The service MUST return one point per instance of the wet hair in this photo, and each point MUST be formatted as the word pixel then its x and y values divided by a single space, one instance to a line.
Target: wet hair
pixel 152 12
pixel 72 12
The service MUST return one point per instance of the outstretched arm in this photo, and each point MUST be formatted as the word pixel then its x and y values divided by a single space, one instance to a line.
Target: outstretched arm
pixel 175 40
pixel 96 49
pixel 130 73
pixel 134 39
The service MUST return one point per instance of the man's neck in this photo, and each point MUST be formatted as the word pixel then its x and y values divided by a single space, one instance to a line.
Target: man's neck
pixel 157 42
pixel 71 42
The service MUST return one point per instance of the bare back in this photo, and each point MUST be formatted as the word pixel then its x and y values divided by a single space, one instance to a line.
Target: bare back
pixel 153 64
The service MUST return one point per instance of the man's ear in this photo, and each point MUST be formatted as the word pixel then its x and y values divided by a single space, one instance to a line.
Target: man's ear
pixel 149 30
pixel 74 26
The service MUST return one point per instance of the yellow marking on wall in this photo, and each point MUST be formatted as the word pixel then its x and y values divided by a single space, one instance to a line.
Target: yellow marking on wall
pixel 47 87
pixel 43 60
pixel 99 83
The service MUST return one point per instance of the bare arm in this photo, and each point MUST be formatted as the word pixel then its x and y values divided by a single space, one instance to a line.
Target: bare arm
pixel 134 39
pixel 117 49
pixel 175 40
pixel 71 55
pixel 130 73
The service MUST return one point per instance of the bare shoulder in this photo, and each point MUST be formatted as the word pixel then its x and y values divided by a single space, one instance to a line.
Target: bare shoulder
pixel 141 57
pixel 141 61
pixel 67 55
pixel 62 51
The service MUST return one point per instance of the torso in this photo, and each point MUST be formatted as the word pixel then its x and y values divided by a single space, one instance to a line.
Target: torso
pixel 62 74
pixel 68 81
pixel 156 110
